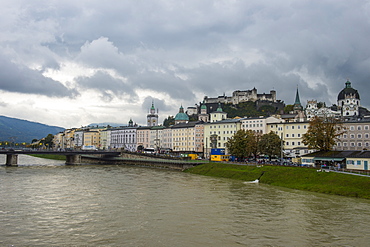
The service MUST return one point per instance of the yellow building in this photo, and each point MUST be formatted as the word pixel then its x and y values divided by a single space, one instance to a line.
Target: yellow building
pixel 183 137
pixel 143 136
pixel 68 141
pixel 91 138
pixel 291 133
pixel 223 129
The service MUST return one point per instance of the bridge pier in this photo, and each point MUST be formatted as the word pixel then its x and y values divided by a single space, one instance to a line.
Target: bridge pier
pixel 73 159
pixel 11 160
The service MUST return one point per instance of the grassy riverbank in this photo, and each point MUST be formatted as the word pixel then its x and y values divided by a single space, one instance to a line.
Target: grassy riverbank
pixel 292 177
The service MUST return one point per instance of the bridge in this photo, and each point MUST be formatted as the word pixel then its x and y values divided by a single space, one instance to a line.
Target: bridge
pixel 72 157
pixel 77 157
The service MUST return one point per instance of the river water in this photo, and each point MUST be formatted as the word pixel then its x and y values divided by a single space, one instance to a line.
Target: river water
pixel 45 203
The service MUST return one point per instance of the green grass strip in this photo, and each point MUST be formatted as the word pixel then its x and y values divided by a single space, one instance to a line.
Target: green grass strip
pixel 291 177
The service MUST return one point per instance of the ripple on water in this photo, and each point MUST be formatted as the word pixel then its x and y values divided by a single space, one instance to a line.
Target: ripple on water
pixel 47 205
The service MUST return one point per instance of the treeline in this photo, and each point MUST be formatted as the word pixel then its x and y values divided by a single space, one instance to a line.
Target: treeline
pixel 249 144
pixel 248 109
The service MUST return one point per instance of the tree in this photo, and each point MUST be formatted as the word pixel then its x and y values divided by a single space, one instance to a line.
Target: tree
pixel 267 110
pixel 48 141
pixel 322 133
pixel 270 144
pixel 243 144
pixel 169 121
pixel 288 108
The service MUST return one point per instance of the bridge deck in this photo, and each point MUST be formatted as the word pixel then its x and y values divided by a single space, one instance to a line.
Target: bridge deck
pixel 113 153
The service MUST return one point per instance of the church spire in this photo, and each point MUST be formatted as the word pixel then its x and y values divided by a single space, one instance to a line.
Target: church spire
pixel 297 100
pixel 297 104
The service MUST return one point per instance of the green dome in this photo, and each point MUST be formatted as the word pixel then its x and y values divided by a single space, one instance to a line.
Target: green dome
pixel 219 109
pixel 181 116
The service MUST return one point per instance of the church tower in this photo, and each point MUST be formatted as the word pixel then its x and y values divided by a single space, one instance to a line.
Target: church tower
pixel 297 107
pixel 152 117
pixel 181 117
pixel 219 114
pixel 349 101
pixel 203 116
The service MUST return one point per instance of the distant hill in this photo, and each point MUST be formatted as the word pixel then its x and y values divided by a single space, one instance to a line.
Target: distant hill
pixel 17 130
pixel 106 124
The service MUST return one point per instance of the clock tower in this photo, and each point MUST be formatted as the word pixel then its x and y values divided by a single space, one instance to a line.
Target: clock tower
pixel 152 117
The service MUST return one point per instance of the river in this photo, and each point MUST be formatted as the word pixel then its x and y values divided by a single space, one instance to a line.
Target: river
pixel 45 203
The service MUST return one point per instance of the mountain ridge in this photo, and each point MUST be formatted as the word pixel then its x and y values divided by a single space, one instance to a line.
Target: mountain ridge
pixel 19 130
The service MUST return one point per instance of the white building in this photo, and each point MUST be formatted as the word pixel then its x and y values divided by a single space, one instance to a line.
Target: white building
pixel 258 125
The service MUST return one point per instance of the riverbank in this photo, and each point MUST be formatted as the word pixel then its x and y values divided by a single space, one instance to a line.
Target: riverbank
pixel 291 177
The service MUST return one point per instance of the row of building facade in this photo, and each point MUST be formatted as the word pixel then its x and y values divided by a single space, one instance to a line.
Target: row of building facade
pixel 196 136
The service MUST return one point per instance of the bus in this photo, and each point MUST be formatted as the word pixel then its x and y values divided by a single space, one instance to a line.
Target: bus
pixel 148 151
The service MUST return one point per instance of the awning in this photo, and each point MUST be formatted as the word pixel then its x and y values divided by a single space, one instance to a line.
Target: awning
pixel 327 159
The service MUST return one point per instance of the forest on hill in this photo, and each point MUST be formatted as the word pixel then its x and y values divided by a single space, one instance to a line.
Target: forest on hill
pixel 18 130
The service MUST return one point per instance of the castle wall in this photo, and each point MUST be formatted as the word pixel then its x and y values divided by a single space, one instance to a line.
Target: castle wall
pixel 243 96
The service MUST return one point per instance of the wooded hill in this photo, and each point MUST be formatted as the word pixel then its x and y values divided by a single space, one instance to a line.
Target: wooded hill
pixel 18 130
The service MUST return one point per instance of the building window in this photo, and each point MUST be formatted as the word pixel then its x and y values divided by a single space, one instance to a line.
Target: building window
pixel 359 136
pixel 366 127
pixel 287 135
pixel 359 144
pixel 287 143
pixel 358 127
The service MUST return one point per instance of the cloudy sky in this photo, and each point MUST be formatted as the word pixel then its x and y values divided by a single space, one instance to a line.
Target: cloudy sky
pixel 71 63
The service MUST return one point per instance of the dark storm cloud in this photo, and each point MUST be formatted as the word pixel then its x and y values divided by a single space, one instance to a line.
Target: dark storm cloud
pixel 107 86
pixel 20 79
pixel 164 82
pixel 186 50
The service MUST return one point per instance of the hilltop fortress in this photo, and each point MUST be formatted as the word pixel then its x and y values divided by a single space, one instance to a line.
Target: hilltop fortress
pixel 242 96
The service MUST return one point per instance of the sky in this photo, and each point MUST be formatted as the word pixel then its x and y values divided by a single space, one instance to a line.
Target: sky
pixel 71 63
